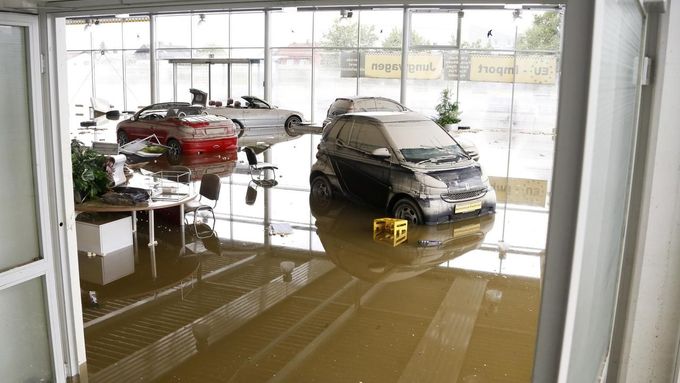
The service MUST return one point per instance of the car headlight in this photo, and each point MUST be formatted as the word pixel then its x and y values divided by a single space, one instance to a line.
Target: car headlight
pixel 430 181
pixel 484 177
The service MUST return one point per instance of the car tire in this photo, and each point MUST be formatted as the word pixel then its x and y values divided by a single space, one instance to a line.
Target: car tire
pixel 174 147
pixel 320 193
pixel 408 210
pixel 290 123
pixel 122 138
pixel 239 128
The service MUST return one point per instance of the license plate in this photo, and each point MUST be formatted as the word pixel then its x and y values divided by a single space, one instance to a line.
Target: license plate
pixel 467 207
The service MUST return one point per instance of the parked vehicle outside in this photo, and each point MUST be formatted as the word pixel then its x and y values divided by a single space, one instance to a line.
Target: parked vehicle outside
pixel 180 126
pixel 403 163
pixel 250 113
pixel 343 105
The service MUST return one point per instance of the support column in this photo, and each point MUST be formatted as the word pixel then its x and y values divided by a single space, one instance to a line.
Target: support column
pixel 405 46
pixel 267 57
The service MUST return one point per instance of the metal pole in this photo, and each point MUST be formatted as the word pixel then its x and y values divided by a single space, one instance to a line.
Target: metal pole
pixel 512 110
pixel 152 59
pixel 405 47
pixel 358 51
pixel 122 57
pixel 458 44
pixel 267 57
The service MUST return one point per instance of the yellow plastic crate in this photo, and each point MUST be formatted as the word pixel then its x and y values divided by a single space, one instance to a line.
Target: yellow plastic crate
pixel 390 230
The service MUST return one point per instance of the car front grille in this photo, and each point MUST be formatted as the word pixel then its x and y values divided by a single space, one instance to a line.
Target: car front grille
pixel 463 195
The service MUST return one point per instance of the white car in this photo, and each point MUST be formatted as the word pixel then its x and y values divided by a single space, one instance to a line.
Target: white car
pixel 249 113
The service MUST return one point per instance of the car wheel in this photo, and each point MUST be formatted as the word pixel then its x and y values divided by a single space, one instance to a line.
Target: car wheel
pixel 122 138
pixel 174 148
pixel 290 125
pixel 239 128
pixel 321 193
pixel 408 210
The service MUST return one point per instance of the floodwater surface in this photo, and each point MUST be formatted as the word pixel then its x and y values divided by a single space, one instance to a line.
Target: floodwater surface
pixel 312 298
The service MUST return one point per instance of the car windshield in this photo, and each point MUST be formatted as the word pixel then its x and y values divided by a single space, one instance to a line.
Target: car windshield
pixel 424 141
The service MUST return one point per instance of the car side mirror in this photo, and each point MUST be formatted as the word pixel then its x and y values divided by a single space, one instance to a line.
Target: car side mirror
pixel 381 152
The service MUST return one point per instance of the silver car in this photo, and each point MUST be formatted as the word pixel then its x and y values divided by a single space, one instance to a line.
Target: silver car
pixel 250 113
pixel 403 163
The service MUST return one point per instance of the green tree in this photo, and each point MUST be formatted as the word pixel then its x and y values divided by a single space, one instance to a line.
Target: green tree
pixel 393 40
pixel 544 34
pixel 344 34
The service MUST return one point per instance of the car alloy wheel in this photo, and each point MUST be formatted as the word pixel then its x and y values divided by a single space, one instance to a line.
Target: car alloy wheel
pixel 321 193
pixel 291 122
pixel 122 138
pixel 408 210
pixel 174 148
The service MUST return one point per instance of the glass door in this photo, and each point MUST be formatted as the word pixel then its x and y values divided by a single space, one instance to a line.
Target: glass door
pixel 29 327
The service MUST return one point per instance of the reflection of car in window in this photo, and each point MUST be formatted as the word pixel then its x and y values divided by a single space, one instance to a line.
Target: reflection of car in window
pixel 402 162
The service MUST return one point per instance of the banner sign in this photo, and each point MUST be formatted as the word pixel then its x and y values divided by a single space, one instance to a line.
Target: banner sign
pixel 420 66
pixel 534 69
pixel 450 65
pixel 520 191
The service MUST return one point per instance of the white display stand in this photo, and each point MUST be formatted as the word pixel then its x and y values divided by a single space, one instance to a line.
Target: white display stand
pixel 105 269
pixel 104 234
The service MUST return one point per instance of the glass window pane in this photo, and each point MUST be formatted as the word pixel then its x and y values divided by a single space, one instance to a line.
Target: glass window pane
pixel 367 138
pixel 138 80
pixel 173 31
pixel 381 75
pixel 25 347
pixel 488 29
pixel 247 29
pixel 108 81
pixel 334 76
pixel 332 30
pixel 434 28
pixel 17 198
pixel 136 33
pixel 107 34
pixel 381 28
pixel 78 35
pixel 79 86
pixel 210 30
pixel 293 79
pixel 291 29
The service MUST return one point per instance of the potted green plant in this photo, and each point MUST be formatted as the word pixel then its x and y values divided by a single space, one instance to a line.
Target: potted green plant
pixel 90 179
pixel 447 111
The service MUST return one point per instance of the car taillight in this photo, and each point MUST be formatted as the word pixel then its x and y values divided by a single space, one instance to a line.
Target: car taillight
pixel 197 124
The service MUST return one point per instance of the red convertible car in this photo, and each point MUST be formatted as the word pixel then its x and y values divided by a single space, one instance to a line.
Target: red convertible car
pixel 182 127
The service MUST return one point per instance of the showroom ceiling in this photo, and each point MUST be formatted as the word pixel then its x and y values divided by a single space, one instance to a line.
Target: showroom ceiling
pixel 99 7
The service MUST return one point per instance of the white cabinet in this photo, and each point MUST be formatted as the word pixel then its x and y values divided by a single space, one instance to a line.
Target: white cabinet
pixel 105 269
pixel 103 233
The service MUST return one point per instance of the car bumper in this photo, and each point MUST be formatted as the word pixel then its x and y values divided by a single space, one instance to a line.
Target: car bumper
pixel 208 145
pixel 436 210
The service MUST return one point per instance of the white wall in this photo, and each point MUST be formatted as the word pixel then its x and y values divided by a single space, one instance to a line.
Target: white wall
pixel 654 312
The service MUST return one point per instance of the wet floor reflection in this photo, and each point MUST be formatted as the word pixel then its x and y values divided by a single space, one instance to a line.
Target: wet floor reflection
pixel 345 308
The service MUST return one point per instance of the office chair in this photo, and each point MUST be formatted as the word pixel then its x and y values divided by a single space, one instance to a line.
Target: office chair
pixel 259 169
pixel 210 190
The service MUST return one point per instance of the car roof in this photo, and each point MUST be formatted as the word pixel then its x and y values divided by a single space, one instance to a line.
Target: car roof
pixel 354 98
pixel 388 116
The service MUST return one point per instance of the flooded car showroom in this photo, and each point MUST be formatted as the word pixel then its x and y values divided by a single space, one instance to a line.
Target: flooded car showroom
pixel 276 290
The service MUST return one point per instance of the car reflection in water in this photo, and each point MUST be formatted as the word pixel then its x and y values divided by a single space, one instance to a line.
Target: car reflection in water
pixel 220 163
pixel 345 230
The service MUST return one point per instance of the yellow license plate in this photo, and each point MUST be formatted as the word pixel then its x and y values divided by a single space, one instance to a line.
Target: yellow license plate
pixel 467 207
